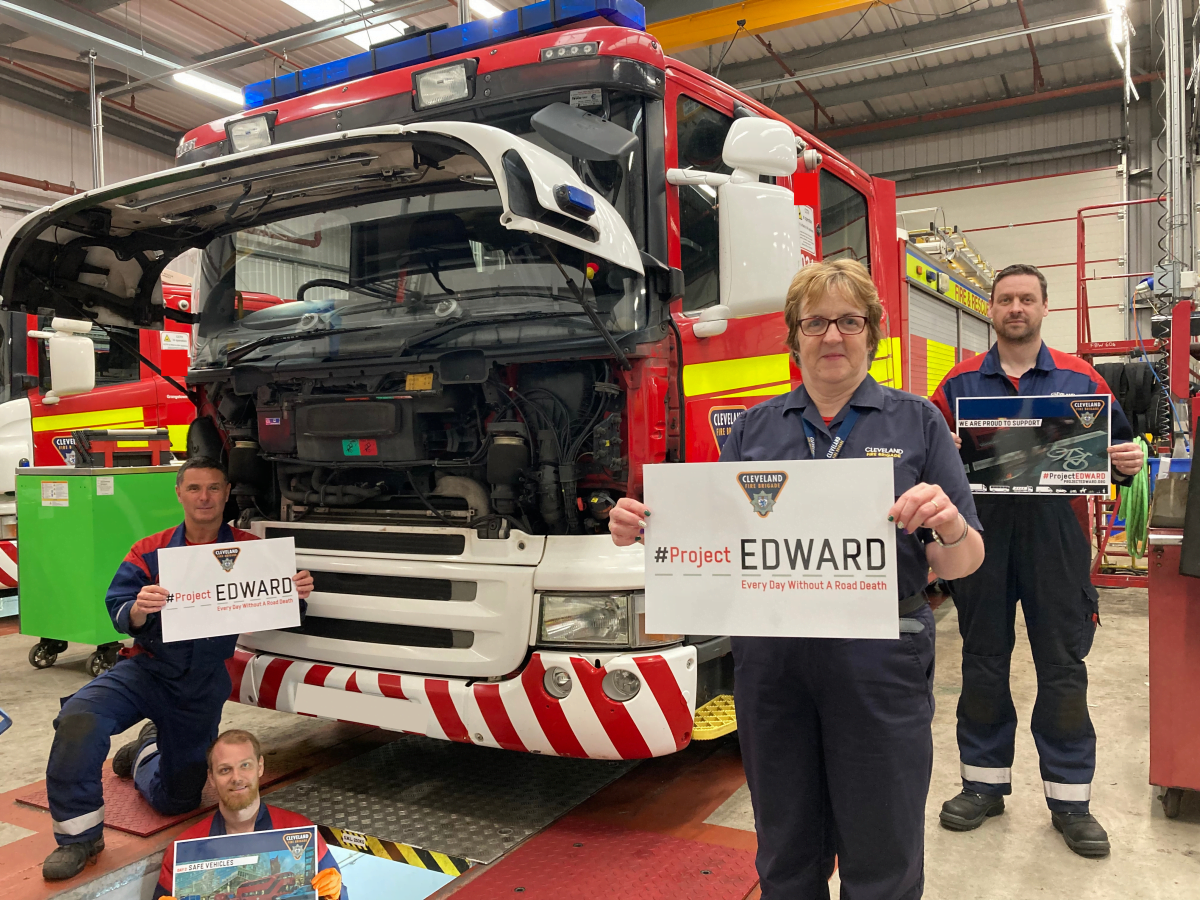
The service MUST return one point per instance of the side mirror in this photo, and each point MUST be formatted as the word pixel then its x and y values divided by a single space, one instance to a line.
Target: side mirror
pixel 759 231
pixel 755 147
pixel 72 358
pixel 713 320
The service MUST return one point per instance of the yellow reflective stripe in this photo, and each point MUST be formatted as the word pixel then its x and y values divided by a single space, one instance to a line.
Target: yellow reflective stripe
pixel 725 375
pixel 939 359
pixel 133 443
pixel 107 418
pixel 769 390
pixel 410 856
pixel 178 435
pixel 886 367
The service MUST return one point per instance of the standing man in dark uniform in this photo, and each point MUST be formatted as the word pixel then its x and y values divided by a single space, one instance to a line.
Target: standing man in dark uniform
pixel 1036 553
pixel 179 686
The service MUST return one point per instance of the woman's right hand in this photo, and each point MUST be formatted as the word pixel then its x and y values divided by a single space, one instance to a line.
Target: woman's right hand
pixel 626 521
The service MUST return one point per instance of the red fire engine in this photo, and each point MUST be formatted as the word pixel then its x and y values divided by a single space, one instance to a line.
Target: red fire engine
pixel 525 257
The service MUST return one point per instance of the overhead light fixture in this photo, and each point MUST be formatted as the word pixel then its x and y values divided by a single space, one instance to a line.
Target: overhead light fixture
pixel 1119 31
pixel 485 9
pixel 319 10
pixel 209 86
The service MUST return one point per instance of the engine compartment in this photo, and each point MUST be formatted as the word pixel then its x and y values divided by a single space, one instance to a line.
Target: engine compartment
pixel 535 447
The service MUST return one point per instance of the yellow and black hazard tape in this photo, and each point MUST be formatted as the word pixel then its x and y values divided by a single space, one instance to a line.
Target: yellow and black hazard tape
pixel 403 853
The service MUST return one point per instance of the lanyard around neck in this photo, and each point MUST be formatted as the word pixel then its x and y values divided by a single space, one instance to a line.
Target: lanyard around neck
pixel 839 441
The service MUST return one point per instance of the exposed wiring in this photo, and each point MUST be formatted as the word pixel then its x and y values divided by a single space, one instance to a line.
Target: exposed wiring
pixel 940 15
pixel 741 25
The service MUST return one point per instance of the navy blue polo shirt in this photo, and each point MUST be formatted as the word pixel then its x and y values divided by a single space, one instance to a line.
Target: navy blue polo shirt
pixel 1054 372
pixel 891 423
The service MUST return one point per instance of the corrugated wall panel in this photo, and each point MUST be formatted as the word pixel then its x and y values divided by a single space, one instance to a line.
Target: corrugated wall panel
pixel 985 141
pixel 993 217
pixel 974 335
pixel 42 146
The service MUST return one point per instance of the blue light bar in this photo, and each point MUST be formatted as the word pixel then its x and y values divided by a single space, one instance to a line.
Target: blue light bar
pixel 522 22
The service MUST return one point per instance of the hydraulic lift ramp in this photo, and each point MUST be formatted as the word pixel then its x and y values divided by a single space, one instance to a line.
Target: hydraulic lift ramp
pixel 437 798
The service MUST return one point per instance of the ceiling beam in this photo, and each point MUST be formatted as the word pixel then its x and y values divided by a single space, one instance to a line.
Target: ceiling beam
pixel 1024 157
pixel 909 37
pixel 951 74
pixel 1100 93
pixel 73 107
pixel 686 24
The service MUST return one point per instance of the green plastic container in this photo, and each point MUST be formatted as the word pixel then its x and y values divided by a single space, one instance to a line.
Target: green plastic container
pixel 74 527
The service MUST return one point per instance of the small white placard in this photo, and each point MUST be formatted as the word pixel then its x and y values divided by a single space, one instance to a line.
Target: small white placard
pixel 586 97
pixel 174 340
pixel 772 549
pixel 808 230
pixel 54 493
pixel 104 485
pixel 219 589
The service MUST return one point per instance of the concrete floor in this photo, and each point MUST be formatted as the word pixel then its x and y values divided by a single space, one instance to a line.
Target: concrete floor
pixel 1017 855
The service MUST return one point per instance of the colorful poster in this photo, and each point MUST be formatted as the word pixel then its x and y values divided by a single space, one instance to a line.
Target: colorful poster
pixel 1036 445
pixel 264 865
pixel 781 549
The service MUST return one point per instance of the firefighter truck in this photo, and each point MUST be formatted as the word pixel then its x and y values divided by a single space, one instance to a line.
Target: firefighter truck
pixel 520 259
pixel 129 392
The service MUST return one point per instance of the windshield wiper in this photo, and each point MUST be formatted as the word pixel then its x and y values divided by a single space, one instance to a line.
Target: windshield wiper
pixel 593 316
pixel 424 337
pixel 241 351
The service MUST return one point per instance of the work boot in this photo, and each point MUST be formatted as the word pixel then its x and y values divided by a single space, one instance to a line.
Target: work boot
pixel 124 758
pixel 967 811
pixel 1082 833
pixel 70 859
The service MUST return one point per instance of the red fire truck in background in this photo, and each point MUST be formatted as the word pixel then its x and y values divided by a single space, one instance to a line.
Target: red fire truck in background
pixel 524 257
pixel 128 394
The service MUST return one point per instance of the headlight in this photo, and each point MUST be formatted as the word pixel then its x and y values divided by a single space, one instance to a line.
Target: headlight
pixel 597 619
pixel 445 84
pixel 251 133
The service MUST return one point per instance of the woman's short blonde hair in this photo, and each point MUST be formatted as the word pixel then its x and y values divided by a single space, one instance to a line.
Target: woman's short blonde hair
pixel 847 277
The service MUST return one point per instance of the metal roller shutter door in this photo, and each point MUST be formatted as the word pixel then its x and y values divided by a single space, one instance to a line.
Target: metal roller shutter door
pixel 974 336
pixel 933 340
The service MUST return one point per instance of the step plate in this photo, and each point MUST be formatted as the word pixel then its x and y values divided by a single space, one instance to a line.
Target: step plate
pixel 457 799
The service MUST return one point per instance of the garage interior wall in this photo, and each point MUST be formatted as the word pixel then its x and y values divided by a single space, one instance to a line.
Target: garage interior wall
pixel 1033 221
pixel 38 145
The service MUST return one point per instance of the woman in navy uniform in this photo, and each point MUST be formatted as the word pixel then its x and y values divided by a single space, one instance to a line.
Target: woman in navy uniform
pixel 835 734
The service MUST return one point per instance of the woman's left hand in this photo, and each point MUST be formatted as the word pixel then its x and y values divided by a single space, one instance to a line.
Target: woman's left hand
pixel 926 506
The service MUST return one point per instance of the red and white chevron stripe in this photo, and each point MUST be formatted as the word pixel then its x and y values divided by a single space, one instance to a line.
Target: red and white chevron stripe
pixel 515 714
pixel 8 564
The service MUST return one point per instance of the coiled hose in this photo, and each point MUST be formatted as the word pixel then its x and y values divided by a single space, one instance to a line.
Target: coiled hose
pixel 1135 506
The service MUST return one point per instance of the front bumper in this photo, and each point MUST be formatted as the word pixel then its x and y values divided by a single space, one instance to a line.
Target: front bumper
pixel 516 714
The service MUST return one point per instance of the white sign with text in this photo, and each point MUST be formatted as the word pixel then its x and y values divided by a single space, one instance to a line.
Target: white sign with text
pixel 799 548
pixel 220 589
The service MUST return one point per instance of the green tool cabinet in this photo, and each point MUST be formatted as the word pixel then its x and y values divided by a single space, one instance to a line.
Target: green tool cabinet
pixel 74 526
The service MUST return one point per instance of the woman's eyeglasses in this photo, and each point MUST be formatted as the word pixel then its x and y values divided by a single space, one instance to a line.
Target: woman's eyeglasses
pixel 816 326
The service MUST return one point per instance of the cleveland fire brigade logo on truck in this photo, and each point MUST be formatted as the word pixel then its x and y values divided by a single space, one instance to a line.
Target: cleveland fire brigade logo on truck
pixel 763 489
pixel 1087 411
pixel 227 556
pixel 297 842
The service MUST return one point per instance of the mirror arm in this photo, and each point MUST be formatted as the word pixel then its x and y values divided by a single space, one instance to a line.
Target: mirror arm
pixel 120 341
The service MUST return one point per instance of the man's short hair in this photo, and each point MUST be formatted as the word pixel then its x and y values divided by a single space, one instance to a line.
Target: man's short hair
pixel 201 462
pixel 1020 269
pixel 233 736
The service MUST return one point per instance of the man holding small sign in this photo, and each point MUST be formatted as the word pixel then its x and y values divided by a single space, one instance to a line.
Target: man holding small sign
pixel 1038 554
pixel 178 681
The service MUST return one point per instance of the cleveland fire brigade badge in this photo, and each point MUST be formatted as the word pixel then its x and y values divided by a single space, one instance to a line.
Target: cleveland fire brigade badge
pixel 227 556
pixel 1087 411
pixel 762 489
pixel 297 841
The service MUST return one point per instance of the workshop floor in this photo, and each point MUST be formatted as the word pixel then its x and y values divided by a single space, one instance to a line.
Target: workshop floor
pixel 699 796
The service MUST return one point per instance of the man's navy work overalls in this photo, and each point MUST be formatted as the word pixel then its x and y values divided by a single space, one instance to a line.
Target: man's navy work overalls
pixel 180 687
pixel 835 734
pixel 1038 554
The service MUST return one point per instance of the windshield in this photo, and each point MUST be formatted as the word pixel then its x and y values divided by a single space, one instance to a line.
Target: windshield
pixel 435 271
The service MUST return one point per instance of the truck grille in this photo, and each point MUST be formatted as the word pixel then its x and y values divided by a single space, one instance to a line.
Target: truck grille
pixel 413 543
pixel 394 586
pixel 383 633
